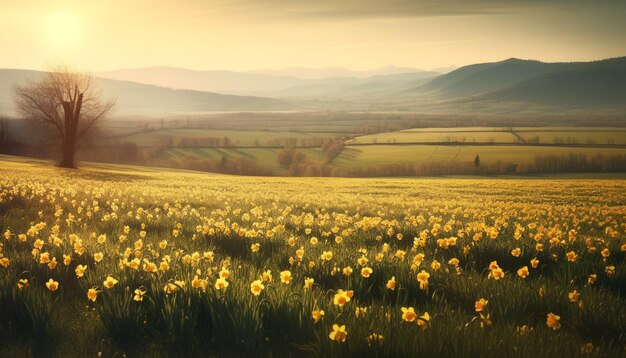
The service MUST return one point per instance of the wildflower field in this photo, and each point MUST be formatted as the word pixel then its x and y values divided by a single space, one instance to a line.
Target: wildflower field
pixel 149 262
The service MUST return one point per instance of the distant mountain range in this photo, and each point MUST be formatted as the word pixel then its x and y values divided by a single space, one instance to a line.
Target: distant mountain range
pixel 549 86
pixel 319 73
pixel 356 89
pixel 322 82
pixel 508 86
pixel 210 81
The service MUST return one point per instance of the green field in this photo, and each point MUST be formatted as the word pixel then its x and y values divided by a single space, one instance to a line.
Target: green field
pixel 443 136
pixel 245 138
pixel 363 155
pixel 132 261
pixel 456 129
pixel 546 135
pixel 397 147
pixel 264 158
pixel 615 136
pixel 516 129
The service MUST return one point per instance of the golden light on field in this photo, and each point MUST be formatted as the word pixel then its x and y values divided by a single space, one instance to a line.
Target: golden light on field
pixel 62 30
pixel 388 265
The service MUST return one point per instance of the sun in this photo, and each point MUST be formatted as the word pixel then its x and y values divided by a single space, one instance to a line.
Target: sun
pixel 62 29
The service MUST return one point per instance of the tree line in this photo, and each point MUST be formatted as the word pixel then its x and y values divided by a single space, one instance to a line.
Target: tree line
pixel 237 166
pixel 225 142
pixel 299 164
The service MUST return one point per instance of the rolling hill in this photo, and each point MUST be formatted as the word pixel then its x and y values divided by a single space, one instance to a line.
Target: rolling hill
pixel 210 81
pixel 601 83
pixel 381 86
pixel 326 72
pixel 515 85
pixel 484 77
pixel 512 85
pixel 136 98
pixel 315 83
pixel 509 86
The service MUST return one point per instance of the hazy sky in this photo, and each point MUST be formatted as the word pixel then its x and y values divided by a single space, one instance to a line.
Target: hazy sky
pixel 261 34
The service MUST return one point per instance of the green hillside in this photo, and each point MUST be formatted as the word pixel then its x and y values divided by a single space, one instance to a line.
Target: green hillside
pixel 524 86
pixel 597 83
pixel 475 79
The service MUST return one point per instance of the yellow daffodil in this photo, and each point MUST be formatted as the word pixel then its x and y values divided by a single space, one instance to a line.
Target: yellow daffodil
pixel 480 304
pixel 285 277
pixel 138 294
pixel 109 282
pixel 408 314
pixel 317 314
pixel 52 285
pixel 339 333
pixel 256 287
pixel 553 321
pixel 92 294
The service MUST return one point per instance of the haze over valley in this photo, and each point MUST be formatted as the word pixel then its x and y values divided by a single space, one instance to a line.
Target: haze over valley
pixel 508 86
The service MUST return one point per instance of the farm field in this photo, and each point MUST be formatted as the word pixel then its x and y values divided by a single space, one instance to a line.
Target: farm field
pixel 546 135
pixel 501 150
pixel 142 261
pixel 516 129
pixel 264 158
pixel 363 155
pixel 617 136
pixel 437 136
pixel 455 129
pixel 245 138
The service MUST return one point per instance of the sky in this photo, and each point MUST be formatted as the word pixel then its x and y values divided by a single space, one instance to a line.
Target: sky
pixel 244 35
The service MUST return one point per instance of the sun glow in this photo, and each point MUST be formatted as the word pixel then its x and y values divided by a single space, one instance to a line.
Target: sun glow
pixel 62 29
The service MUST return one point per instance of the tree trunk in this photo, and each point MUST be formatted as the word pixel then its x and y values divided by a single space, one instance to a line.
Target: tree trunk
pixel 72 116
pixel 69 153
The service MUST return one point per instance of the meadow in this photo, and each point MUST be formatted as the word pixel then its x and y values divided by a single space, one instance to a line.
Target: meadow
pixel 519 135
pixel 385 144
pixel 264 158
pixel 435 135
pixel 238 138
pixel 403 152
pixel 154 262
pixel 358 156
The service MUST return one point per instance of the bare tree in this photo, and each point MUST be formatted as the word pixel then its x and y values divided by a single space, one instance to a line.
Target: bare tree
pixel 67 104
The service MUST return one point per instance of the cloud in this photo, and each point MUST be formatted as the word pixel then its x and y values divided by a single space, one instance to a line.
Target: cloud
pixel 367 9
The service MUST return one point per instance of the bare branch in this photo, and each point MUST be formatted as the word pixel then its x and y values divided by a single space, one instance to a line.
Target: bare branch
pixel 67 103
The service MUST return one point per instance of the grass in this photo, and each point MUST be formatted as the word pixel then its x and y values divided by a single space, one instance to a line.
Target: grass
pixel 263 157
pixel 246 138
pixel 398 147
pixel 455 129
pixel 355 156
pixel 516 129
pixel 547 135
pixel 197 228
pixel 434 137
pixel 615 136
